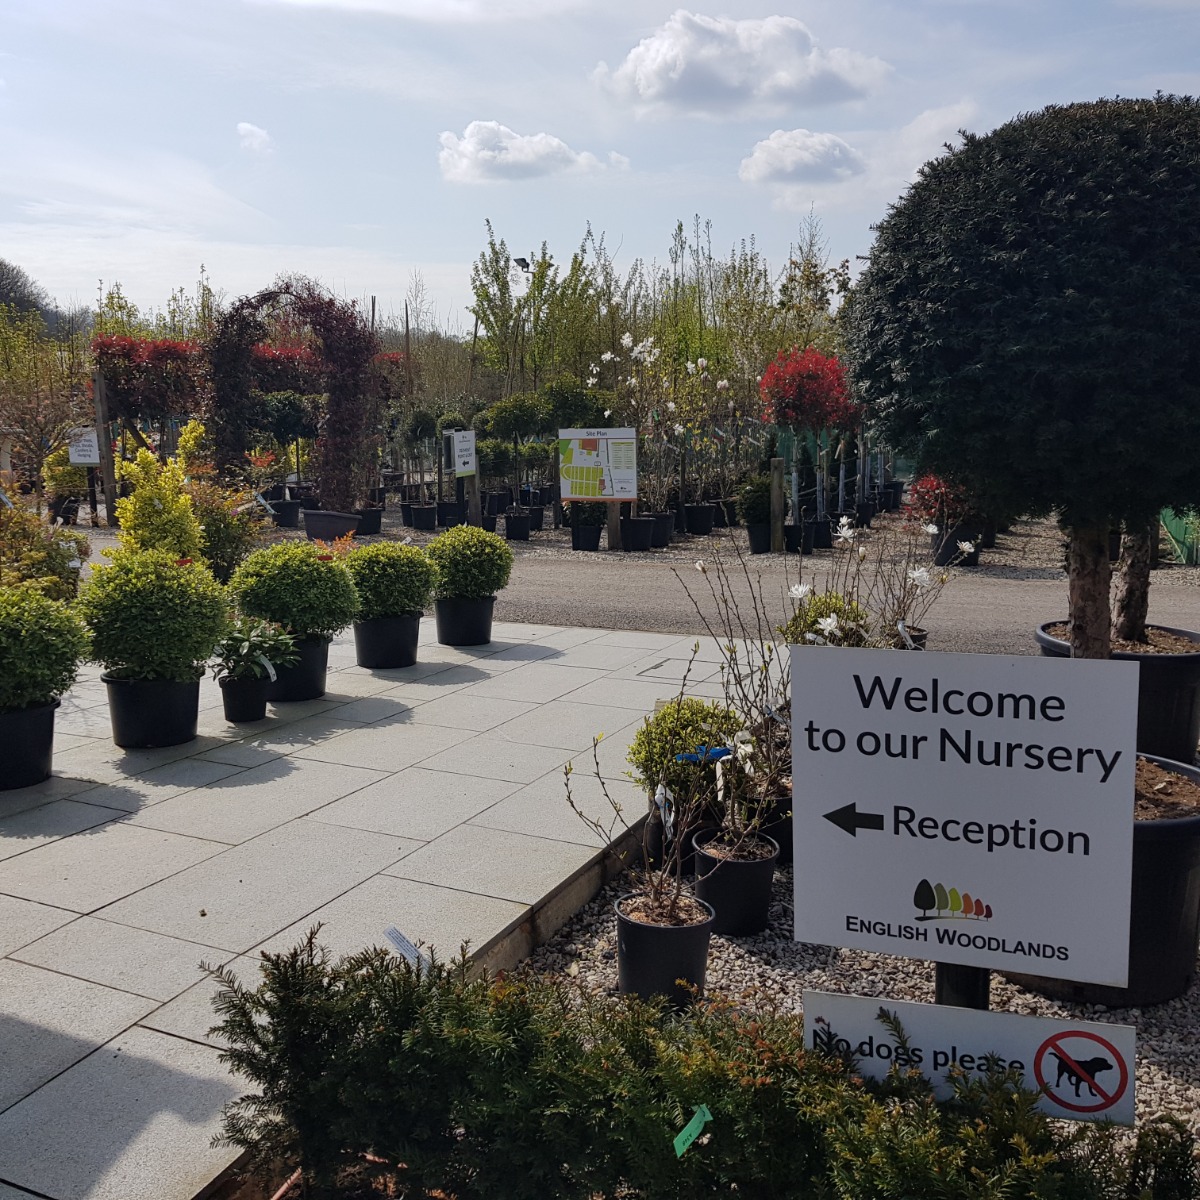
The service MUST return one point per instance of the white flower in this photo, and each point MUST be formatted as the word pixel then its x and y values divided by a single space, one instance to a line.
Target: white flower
pixel 862 553
pixel 691 368
pixel 593 380
pixel 931 529
pixel 607 356
pixel 829 625
pixel 722 385
pixel 921 577
pixel 798 591
pixel 670 406
pixel 966 547
pixel 627 340
pixel 731 406
pixel 702 363
pixel 607 413
pixel 701 568
pixel 679 429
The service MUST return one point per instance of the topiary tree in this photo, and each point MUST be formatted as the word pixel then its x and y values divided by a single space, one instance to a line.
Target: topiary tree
pixel 1028 324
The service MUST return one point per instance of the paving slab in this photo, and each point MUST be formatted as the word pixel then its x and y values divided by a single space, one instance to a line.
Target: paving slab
pixel 494 862
pixel 48 1021
pixel 466 711
pixel 416 803
pixel 642 694
pixel 536 682
pixel 48 823
pixel 55 788
pixel 104 762
pixel 136 792
pixel 490 757
pixel 424 912
pixel 191 1014
pixel 131 1122
pixel 567 724
pixel 98 866
pixel 371 710
pixel 23 921
pixel 249 892
pixel 387 747
pixel 130 960
pixel 352 684
pixel 252 801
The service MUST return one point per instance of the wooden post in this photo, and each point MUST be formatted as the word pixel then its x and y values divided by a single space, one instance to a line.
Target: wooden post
pixel 556 486
pixel 777 505
pixel 474 515
pixel 93 502
pixel 614 525
pixel 107 470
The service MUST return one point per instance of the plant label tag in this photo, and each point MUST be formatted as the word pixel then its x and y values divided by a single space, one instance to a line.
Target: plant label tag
pixel 259 497
pixel 691 1131
pixel 5 500
pixel 404 947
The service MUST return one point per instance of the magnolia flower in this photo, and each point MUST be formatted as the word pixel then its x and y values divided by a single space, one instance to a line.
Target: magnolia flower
pixel 701 567
pixel 670 406
pixel 593 380
pixel 829 625
pixel 702 363
pixel 722 385
pixel 862 553
pixel 731 406
pixel 920 576
pixel 691 368
pixel 966 547
pixel 798 591
pixel 679 429
pixel 607 413
pixel 627 341
pixel 931 529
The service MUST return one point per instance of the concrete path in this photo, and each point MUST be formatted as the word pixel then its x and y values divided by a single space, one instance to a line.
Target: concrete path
pixel 430 799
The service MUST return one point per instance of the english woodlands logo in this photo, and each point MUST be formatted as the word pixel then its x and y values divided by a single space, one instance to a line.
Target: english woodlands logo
pixel 938 903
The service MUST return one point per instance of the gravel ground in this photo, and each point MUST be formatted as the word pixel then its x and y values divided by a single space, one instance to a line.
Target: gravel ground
pixel 771 969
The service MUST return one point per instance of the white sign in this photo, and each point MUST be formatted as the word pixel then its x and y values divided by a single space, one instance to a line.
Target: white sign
pixel 598 464
pixel 965 808
pixel 84 449
pixel 1085 1069
pixel 464 452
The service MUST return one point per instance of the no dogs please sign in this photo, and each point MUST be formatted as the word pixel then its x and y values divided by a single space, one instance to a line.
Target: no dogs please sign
pixel 965 808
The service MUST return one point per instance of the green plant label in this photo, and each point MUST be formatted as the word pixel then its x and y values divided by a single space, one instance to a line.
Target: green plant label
pixel 691 1131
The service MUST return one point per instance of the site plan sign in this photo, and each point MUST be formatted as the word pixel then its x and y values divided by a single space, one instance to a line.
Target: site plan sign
pixel 464 452
pixel 598 464
pixel 83 449
pixel 1084 1069
pixel 965 808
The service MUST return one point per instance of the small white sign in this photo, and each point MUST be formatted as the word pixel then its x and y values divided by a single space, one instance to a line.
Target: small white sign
pixel 464 452
pixel 597 464
pixel 84 448
pixel 966 808
pixel 1084 1068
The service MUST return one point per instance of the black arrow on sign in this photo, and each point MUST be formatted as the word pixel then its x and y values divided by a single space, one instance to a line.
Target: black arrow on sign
pixel 851 820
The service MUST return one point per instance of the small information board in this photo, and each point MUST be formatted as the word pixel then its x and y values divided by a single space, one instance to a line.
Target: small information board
pixel 84 447
pixel 1084 1068
pixel 598 464
pixel 464 452
pixel 965 808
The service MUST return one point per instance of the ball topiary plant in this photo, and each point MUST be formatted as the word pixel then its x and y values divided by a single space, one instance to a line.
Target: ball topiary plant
pixel 472 564
pixel 679 727
pixel 754 501
pixel 41 643
pixel 153 616
pixel 392 580
pixel 297 585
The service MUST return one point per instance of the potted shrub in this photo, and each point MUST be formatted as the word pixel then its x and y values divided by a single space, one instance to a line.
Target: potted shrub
pixel 394 583
pixel 154 620
pixel 472 566
pixel 754 510
pixel 247 659
pixel 41 643
pixel 587 519
pixel 309 592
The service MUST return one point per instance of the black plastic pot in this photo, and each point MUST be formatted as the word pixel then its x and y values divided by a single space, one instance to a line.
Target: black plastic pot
pixel 244 700
pixel 1168 694
pixel 287 513
pixel 464 622
pixel 370 521
pixel 516 527
pixel 719 521
pixel 377 496
pixel 449 514
pixel 664 526
pixel 537 519
pixel 822 533
pixel 731 513
pixel 987 535
pixel 798 539
pixel 1164 916
pixel 760 538
pixel 488 522
pixel 305 679
pixel 406 513
pixel 699 518
pixel 152 712
pixel 651 958
pixel 586 537
pixel 497 502
pixel 274 492
pixel 637 533
pixel 737 890
pixel 424 516
pixel 387 641
pixel 327 526
pixel 26 745
pixel 863 514
pixel 778 827
pixel 946 551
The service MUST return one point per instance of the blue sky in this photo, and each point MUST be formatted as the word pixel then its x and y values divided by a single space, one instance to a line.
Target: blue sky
pixel 362 140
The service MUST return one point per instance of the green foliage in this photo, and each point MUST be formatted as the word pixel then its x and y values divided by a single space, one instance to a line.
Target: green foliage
pixel 294 584
pixel 525 415
pixel 471 563
pixel 249 646
pixel 572 406
pixel 228 528
pixel 537 457
pixel 581 513
pixel 193 449
pixel 679 727
pixel 453 419
pixel 754 501
pixel 41 644
pixel 392 580
pixel 158 515
pixel 494 457
pixel 34 554
pixel 288 416
pixel 853 621
pixel 152 616
pixel 60 478
pixel 1026 323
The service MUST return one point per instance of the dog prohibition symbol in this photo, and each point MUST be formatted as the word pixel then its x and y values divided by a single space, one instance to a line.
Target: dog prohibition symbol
pixel 1091 1067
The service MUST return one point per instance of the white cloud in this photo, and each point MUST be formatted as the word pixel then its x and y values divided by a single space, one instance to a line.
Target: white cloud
pixel 443 10
pixel 252 138
pixel 489 151
pixel 795 155
pixel 717 66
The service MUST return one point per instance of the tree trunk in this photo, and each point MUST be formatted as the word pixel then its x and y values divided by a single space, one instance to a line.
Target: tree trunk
pixel 1089 574
pixel 1132 601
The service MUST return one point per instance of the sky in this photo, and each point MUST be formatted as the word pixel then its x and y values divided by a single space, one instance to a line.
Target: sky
pixel 364 142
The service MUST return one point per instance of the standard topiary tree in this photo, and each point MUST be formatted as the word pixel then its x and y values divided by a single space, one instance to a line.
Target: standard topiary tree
pixel 1029 324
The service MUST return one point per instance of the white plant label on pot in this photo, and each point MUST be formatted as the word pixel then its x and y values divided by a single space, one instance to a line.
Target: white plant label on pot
pixel 966 808
pixel 1084 1069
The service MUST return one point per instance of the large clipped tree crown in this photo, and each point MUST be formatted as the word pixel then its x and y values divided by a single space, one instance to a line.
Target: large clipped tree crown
pixel 1029 319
